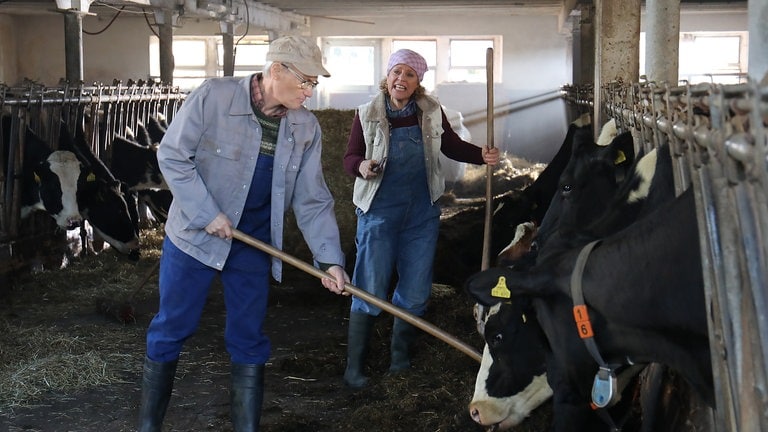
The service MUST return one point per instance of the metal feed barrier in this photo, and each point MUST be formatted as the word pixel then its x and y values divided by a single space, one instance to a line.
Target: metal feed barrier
pixel 717 136
pixel 103 110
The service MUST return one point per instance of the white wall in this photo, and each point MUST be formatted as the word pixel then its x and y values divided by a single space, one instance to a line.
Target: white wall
pixel 536 60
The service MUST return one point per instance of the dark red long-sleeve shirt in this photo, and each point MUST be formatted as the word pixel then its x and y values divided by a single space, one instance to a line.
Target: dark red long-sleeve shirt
pixel 451 144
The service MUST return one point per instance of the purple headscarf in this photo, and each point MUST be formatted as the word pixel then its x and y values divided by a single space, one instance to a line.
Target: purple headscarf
pixel 409 58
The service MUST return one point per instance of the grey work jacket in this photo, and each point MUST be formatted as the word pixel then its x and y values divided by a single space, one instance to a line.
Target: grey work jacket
pixel 373 119
pixel 208 156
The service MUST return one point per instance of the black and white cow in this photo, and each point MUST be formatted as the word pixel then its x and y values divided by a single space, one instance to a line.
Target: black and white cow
pixel 643 289
pixel 509 210
pixel 589 182
pixel 532 203
pixel 136 165
pixel 592 174
pixel 503 398
pixel 134 162
pixel 49 182
pixel 99 197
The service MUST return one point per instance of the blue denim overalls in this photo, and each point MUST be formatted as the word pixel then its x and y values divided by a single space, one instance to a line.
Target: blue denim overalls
pixel 185 283
pixel 399 231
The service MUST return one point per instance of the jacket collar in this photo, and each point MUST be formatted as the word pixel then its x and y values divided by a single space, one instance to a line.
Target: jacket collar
pixel 378 110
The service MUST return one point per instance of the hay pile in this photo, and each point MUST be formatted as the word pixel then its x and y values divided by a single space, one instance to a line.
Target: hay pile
pixel 78 349
pixel 336 125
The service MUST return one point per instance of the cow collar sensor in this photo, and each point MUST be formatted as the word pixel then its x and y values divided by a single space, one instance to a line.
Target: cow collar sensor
pixel 606 389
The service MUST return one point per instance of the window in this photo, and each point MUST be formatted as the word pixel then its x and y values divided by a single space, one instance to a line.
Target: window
pixel 352 64
pixel 719 57
pixel 461 59
pixel 198 58
pixel 250 56
pixel 357 65
pixel 468 60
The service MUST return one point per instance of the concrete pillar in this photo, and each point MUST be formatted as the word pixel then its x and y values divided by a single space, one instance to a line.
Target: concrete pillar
pixel 73 45
pixel 617 48
pixel 167 63
pixel 662 40
pixel 757 11
pixel 228 44
pixel 584 56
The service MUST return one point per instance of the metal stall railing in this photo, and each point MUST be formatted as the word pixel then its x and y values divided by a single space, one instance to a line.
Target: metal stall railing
pixel 103 111
pixel 717 136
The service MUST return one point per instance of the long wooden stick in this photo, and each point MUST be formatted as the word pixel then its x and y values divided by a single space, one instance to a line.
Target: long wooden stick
pixel 485 263
pixel 383 305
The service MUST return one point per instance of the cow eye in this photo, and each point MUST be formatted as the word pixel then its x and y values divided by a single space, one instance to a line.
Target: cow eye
pixel 566 190
pixel 496 340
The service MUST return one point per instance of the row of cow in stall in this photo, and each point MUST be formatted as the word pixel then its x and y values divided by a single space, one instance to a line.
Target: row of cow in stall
pixel 72 184
pixel 598 303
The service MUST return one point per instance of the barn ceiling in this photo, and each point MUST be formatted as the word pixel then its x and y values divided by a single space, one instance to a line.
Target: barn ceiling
pixel 347 8
pixel 378 8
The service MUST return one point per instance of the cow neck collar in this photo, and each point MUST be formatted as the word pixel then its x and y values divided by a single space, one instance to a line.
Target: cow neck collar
pixel 580 313
pixel 605 372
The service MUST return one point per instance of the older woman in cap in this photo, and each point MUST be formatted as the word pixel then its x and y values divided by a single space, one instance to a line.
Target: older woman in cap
pixel 393 153
pixel 236 155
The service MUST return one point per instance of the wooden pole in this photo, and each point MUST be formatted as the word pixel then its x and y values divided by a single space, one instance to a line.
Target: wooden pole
pixel 385 306
pixel 485 263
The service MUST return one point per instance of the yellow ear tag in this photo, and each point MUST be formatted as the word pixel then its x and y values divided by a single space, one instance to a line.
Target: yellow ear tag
pixel 620 157
pixel 501 290
pixel 37 179
pixel 91 177
pixel 525 319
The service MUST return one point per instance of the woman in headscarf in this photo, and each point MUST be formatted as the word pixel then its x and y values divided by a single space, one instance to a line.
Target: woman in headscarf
pixel 393 151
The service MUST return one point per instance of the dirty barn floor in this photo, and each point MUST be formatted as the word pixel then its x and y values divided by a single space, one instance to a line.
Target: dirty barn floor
pixel 67 366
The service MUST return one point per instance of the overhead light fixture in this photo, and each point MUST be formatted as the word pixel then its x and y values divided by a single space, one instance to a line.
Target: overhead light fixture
pixel 78 5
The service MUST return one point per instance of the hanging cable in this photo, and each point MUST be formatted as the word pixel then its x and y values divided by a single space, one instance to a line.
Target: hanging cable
pixel 247 26
pixel 149 24
pixel 109 24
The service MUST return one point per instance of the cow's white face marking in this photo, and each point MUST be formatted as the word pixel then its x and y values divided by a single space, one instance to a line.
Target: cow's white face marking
pixel 607 133
pixel 504 413
pixel 646 169
pixel 67 168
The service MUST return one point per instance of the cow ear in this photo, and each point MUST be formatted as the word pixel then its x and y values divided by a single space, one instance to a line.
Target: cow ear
pixel 489 287
pixel 623 149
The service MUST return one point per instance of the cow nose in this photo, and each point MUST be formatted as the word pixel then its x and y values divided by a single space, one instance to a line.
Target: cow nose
pixel 475 414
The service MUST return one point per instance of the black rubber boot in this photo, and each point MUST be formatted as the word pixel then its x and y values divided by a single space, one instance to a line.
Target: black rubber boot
pixel 156 387
pixel 360 327
pixel 403 335
pixel 246 397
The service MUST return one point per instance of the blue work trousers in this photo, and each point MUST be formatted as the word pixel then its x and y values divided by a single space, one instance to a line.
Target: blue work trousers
pixel 185 284
pixel 399 231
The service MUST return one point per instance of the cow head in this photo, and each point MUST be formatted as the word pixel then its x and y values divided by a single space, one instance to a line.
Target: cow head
pixel 511 381
pixel 587 184
pixel 136 165
pixel 99 197
pixel 103 205
pixel 50 182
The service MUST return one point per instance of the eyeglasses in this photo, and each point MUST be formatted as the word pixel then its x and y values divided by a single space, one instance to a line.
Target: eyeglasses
pixel 304 83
